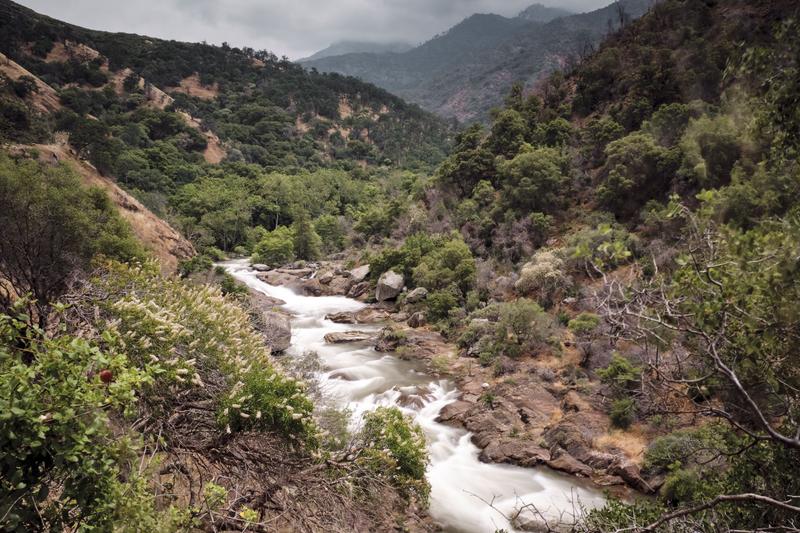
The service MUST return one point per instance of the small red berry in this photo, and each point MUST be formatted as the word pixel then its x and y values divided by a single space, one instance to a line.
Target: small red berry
pixel 106 376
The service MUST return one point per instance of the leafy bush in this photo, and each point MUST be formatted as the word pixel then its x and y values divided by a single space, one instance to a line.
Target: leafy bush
pixel 62 465
pixel 193 338
pixel 533 180
pixel 544 278
pixel 620 375
pixel 330 230
pixel 584 324
pixel 605 247
pixel 395 448
pixel 53 227
pixel 636 170
pixel 623 413
pixel 276 248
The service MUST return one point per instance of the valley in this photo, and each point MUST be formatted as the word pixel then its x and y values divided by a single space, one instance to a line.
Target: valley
pixel 239 293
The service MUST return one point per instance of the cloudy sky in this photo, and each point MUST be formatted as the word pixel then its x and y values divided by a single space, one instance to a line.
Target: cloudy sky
pixel 295 28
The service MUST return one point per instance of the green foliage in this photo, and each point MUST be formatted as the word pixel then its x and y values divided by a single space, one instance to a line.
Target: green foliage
pixel 623 413
pixel 469 163
pixel 636 170
pixel 449 265
pixel 53 227
pixel 514 329
pixel 533 180
pixel 276 248
pixel 605 247
pixel 620 374
pixel 195 339
pixel 711 147
pixel 330 230
pixel 396 450
pixel 584 323
pixel 56 434
pixel 306 241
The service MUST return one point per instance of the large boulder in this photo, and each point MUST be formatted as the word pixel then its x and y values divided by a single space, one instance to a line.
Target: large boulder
pixel 390 284
pixel 342 318
pixel 277 331
pixel 359 274
pixel 417 295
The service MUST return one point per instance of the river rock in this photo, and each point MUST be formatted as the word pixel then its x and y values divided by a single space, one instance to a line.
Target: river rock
pixel 453 412
pixel 312 287
pixel 359 274
pixel 564 462
pixel 370 315
pixel 341 318
pixel 343 337
pixel 358 290
pixel 277 331
pixel 339 286
pixel 517 451
pixel 417 320
pixel 417 295
pixel 389 286
pixel 325 278
pixel 260 267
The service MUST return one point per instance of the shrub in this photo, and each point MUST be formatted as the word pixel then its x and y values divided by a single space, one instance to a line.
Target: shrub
pixel 276 248
pixel 636 170
pixel 623 413
pixel 584 324
pixel 306 242
pixel 330 230
pixel 52 228
pixel 683 486
pixel 544 278
pixel 194 338
pixel 395 448
pixel 620 375
pixel 605 247
pixel 450 265
pixel 533 180
pixel 62 465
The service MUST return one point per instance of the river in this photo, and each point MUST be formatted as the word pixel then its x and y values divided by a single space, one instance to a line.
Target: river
pixel 359 378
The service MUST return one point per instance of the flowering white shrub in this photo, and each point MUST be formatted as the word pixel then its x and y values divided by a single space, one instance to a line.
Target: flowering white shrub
pixel 194 337
pixel 543 277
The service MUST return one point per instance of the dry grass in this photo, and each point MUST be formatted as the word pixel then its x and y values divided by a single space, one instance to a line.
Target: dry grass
pixel 632 442
pixel 191 86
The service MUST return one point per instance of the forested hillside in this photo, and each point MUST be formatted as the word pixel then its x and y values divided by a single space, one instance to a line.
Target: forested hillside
pixel 607 273
pixel 464 72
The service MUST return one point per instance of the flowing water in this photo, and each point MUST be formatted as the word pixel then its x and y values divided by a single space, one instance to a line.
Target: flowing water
pixel 360 379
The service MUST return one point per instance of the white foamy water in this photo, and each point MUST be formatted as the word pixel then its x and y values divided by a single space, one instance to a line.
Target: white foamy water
pixel 361 379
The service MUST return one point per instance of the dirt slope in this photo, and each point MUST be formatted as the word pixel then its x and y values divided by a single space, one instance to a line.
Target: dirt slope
pixel 45 99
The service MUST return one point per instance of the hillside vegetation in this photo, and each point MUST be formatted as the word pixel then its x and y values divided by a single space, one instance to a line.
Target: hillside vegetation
pixel 614 260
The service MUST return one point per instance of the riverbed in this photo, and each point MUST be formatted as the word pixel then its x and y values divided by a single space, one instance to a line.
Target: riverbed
pixel 359 378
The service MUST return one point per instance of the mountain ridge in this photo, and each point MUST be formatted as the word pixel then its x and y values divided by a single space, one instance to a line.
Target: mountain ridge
pixel 463 72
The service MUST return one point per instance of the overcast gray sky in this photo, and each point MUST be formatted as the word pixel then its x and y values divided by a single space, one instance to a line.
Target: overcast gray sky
pixel 295 28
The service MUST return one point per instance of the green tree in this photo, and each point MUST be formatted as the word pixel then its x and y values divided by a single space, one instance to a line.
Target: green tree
pixel 307 242
pixel 52 228
pixel 533 180
pixel 276 248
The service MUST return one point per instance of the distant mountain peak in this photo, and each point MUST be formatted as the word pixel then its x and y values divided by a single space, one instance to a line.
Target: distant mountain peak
pixel 542 13
pixel 360 47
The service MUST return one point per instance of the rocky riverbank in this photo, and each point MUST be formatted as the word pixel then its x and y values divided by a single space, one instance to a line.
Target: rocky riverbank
pixel 527 412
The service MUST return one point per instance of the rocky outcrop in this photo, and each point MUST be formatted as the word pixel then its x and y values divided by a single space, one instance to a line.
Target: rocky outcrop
pixel 277 331
pixel 390 284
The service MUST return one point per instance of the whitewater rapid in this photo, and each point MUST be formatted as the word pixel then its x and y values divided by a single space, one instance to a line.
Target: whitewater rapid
pixel 359 378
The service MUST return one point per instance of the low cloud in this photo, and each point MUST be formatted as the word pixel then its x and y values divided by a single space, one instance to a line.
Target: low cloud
pixel 295 28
